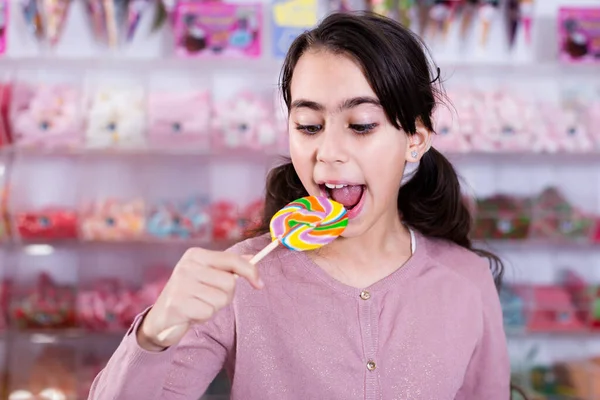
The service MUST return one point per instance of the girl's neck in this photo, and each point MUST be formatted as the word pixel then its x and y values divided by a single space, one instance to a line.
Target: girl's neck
pixel 363 260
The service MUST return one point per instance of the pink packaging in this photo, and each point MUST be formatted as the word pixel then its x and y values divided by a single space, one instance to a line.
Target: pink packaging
pixel 178 119
pixel 245 121
pixel 46 115
pixel 3 25
pixel 579 34
pixel 215 29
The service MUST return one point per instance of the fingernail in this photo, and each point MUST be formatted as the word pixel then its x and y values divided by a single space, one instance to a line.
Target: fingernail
pixel 260 282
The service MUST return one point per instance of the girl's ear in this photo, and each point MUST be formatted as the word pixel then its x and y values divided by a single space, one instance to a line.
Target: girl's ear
pixel 418 143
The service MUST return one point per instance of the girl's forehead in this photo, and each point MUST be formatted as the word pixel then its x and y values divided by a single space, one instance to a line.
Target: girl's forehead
pixel 328 79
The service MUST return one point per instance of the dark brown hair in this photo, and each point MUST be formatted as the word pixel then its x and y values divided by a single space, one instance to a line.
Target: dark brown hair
pixel 395 63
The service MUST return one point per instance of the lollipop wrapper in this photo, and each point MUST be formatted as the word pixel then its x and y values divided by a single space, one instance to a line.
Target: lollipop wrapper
pixel 135 9
pixel 33 18
pixel 55 12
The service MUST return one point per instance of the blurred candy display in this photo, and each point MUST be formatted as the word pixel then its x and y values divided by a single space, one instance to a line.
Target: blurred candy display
pixel 505 121
pixel 111 219
pixel 546 216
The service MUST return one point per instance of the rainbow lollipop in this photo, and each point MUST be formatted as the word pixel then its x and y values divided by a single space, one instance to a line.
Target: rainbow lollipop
pixel 306 224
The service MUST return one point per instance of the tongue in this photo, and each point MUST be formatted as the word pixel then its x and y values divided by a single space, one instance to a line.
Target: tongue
pixel 348 196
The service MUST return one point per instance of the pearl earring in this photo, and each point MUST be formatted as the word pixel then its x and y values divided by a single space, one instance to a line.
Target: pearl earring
pixel 414 154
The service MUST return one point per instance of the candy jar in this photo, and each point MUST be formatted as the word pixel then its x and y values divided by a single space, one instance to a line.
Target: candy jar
pixel 46 306
pixel 177 119
pixel 50 223
pixel 46 116
pixel 116 117
pixel 245 121
pixel 113 219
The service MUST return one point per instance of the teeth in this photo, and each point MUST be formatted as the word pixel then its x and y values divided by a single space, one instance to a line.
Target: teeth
pixel 332 186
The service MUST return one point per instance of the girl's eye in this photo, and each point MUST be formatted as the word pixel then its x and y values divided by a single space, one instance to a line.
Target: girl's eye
pixel 363 129
pixel 309 129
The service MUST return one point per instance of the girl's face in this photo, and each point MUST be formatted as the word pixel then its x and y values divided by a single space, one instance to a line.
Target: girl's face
pixel 341 142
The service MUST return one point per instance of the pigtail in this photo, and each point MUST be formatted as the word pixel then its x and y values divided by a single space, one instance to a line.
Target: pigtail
pixel 432 203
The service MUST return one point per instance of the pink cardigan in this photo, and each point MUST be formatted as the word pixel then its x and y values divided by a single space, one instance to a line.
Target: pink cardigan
pixel 432 330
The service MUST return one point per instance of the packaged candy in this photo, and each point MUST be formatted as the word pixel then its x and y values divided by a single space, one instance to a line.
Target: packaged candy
pixel 115 21
pixel 3 25
pixel 47 306
pixel 216 29
pixel 244 122
pixel 502 217
pixel 554 218
pixel 113 220
pixel 505 123
pixel 449 137
pixel 108 305
pixel 251 216
pixel 46 18
pixel 513 309
pixel 179 119
pixel 50 223
pixel 225 221
pixel 569 122
pixel 185 220
pixel 116 118
pixel 46 116
pixel 579 34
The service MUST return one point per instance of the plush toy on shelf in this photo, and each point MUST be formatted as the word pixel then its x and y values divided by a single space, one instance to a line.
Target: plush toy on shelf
pixel 46 116
pixel 179 119
pixel 116 118
pixel 245 121
pixel 46 306
pixel 51 223
pixel 180 220
pixel 113 219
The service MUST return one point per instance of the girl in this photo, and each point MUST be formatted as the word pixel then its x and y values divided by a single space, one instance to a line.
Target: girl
pixel 400 307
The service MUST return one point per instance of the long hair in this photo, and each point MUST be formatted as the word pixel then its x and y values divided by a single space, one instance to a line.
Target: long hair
pixel 394 62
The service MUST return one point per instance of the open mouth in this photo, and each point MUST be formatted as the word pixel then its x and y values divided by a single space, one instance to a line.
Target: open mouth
pixel 347 195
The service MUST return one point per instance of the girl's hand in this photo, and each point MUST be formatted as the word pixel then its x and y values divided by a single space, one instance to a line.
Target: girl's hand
pixel 202 283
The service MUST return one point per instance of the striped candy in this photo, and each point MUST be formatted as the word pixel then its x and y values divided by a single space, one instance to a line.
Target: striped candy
pixel 309 223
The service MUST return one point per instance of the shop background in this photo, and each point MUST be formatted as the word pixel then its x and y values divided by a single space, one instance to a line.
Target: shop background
pixel 89 234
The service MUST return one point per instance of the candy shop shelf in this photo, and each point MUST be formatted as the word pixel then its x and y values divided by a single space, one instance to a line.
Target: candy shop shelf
pixel 35 246
pixel 250 155
pixel 543 244
pixel 525 334
pixel 524 157
pixel 246 155
pixel 58 335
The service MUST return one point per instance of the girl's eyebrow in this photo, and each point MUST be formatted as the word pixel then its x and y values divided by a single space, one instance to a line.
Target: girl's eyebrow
pixel 345 105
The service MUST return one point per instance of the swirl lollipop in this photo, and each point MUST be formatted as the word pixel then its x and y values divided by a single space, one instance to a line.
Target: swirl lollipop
pixel 306 224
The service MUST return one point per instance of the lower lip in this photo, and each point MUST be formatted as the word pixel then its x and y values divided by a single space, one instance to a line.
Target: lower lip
pixel 357 208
